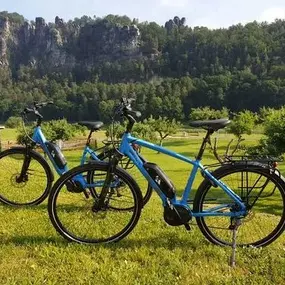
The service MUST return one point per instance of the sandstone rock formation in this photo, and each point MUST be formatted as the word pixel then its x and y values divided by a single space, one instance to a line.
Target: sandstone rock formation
pixel 60 46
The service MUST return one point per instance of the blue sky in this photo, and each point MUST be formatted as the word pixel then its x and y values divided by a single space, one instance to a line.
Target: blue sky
pixel 210 13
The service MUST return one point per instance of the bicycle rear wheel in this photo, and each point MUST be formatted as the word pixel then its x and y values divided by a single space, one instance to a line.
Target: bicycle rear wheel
pixel 262 191
pixel 33 187
pixel 76 216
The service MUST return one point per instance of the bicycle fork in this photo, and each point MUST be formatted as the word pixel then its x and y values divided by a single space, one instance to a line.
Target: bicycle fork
pixel 23 177
pixel 102 202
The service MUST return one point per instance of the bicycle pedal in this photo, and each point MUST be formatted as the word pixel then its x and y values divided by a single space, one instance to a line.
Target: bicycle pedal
pixel 187 227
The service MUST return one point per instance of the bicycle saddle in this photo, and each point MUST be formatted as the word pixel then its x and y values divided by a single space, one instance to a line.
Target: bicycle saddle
pixel 92 126
pixel 213 125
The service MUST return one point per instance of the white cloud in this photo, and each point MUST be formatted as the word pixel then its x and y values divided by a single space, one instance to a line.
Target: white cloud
pixel 269 15
pixel 173 3
pixel 208 22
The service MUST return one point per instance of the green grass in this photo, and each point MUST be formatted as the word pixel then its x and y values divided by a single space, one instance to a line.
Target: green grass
pixel 32 252
pixel 8 135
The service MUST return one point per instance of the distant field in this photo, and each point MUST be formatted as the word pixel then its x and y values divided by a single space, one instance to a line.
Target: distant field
pixel 8 135
pixel 154 253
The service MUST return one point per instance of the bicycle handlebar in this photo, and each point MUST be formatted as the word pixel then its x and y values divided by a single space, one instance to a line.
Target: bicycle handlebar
pixel 125 109
pixel 35 108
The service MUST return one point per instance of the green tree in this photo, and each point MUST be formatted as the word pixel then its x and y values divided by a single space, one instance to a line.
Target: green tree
pixel 115 131
pixel 207 113
pixel 60 130
pixel 53 130
pixel 242 123
pixel 163 126
pixel 274 129
pixel 106 109
pixel 141 130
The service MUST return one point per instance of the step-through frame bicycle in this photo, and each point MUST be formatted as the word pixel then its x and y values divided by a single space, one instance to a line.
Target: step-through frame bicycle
pixel 56 157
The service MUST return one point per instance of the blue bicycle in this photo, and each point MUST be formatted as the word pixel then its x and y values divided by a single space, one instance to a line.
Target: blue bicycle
pixel 247 197
pixel 30 175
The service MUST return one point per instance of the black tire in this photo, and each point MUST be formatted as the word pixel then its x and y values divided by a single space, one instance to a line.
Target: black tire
pixel 126 164
pixel 266 219
pixel 38 182
pixel 73 215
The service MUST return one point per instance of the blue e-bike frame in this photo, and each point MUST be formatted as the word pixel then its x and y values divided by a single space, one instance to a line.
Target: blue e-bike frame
pixel 126 149
pixel 39 138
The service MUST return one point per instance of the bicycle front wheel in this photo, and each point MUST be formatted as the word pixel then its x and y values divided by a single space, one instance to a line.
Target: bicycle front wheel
pixel 262 191
pixel 35 184
pixel 74 213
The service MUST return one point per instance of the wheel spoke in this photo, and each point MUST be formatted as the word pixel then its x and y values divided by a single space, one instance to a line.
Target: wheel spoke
pixel 264 197
pixel 88 220
pixel 30 190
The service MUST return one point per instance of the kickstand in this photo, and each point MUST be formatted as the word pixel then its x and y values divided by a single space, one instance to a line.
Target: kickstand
pixel 234 228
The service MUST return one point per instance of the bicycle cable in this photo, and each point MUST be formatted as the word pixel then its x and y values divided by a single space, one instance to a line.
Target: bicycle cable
pixel 34 110
pixel 117 111
pixel 25 129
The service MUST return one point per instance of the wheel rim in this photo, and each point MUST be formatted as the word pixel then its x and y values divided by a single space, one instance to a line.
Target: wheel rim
pixel 74 213
pixel 28 191
pixel 265 220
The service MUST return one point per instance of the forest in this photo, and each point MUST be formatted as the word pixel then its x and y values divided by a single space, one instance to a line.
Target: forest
pixel 170 70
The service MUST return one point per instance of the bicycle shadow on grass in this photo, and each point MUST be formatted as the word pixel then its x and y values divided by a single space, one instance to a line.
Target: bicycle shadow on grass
pixel 167 241
pixel 36 208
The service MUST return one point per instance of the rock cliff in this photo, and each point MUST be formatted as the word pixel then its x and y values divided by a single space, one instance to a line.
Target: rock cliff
pixel 60 46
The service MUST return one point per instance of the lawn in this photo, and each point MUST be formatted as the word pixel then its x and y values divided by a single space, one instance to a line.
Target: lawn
pixel 7 135
pixel 154 253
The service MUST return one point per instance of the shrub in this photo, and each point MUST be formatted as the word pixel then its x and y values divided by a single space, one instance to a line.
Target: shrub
pixel 13 122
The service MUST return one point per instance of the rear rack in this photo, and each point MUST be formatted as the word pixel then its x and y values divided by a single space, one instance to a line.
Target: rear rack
pixel 268 161
pixel 264 159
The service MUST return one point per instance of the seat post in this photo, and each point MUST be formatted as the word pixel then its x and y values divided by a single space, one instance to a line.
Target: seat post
pixel 204 144
pixel 89 138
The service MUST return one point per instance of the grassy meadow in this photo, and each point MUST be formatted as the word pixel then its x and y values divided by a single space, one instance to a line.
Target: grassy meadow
pixel 31 251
